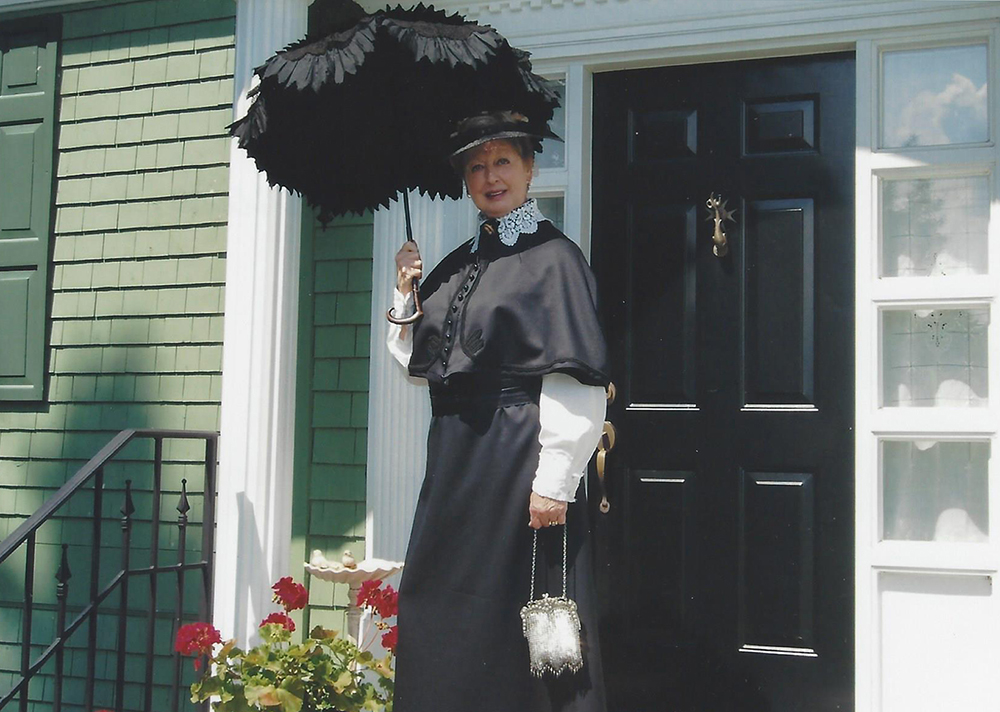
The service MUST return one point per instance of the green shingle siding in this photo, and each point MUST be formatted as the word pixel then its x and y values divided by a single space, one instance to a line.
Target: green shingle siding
pixel 137 290
pixel 332 402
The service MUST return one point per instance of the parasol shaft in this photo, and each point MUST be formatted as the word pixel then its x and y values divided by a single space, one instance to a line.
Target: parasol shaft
pixel 406 211
pixel 419 312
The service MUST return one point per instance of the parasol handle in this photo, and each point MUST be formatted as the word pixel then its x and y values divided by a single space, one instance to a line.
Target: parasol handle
pixel 416 282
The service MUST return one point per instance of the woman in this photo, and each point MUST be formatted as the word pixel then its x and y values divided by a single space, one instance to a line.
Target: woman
pixel 516 363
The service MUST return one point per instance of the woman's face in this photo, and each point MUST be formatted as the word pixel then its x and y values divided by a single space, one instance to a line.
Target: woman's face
pixel 497 177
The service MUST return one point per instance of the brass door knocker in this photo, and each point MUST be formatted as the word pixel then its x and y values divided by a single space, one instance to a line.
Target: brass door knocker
pixel 718 213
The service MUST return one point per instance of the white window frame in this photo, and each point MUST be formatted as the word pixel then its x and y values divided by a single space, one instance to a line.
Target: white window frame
pixel 876 424
pixel 572 180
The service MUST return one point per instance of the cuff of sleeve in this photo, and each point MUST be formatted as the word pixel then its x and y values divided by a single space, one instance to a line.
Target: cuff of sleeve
pixel 402 304
pixel 553 478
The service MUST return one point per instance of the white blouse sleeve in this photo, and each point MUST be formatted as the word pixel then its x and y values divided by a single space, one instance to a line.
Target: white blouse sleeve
pixel 572 419
pixel 399 339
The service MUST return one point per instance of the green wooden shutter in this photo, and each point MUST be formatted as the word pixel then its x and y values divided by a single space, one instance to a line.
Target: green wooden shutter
pixel 28 52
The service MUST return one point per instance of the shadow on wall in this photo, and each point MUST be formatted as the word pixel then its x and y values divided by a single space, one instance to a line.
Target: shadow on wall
pixel 332 405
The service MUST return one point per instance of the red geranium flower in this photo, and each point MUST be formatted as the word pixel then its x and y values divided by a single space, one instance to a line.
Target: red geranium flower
pixel 368 589
pixel 281 619
pixel 390 602
pixel 390 638
pixel 195 638
pixel 292 596
pixel 385 603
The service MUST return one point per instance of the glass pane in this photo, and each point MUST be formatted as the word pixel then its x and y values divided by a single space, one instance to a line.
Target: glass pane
pixel 934 357
pixel 554 209
pixel 934 227
pixel 932 97
pixel 935 491
pixel 553 153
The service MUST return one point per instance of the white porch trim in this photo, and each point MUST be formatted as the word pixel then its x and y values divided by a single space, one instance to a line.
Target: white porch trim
pixel 259 353
pixel 398 407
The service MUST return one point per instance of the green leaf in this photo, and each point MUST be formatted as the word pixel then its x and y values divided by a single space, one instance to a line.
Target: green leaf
pixel 229 650
pixel 321 633
pixel 210 686
pixel 289 702
pixel 275 633
pixel 257 656
pixel 384 667
pixel 323 669
pixel 262 696
pixel 343 681
pixel 235 702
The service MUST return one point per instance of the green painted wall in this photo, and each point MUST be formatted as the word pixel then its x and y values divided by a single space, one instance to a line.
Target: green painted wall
pixel 332 403
pixel 135 314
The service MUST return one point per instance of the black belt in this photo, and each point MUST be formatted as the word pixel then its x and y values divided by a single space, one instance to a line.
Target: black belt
pixel 466 393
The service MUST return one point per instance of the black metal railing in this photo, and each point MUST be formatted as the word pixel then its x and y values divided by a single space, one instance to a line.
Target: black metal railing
pixel 25 539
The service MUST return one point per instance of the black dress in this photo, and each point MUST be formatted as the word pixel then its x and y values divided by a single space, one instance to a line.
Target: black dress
pixel 495 321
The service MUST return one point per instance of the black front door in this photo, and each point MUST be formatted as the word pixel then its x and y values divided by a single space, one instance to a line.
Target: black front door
pixel 726 556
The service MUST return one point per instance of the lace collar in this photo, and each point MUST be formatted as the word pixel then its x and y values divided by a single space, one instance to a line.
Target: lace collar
pixel 524 219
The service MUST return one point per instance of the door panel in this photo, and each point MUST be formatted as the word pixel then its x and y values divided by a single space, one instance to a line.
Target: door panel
pixel 727 554
pixel 658 290
pixel 776 535
pixel 778 306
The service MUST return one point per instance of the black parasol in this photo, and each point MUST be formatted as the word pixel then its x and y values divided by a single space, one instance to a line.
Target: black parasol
pixel 363 108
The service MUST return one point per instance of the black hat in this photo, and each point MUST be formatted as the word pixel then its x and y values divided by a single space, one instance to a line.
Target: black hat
pixel 482 128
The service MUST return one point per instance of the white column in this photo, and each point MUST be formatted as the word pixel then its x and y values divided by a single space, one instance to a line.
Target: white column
pixel 398 406
pixel 258 384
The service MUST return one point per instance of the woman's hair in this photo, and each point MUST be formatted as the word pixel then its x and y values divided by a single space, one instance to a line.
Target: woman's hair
pixel 524 145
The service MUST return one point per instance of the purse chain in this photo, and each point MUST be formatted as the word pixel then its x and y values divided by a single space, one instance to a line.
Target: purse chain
pixel 534 558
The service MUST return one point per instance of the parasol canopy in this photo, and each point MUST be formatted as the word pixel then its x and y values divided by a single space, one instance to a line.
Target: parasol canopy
pixel 364 106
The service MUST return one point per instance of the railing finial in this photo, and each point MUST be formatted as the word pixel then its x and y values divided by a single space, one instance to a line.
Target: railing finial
pixel 184 506
pixel 128 508
pixel 63 575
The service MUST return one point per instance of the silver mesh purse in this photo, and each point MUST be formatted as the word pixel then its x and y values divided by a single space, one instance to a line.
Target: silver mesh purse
pixel 551 626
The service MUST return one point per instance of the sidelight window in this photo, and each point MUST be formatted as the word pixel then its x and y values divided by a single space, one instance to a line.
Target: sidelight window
pixel 553 153
pixel 551 184
pixel 928 283
pixel 935 226
pixel 935 96
pixel 935 490
pixel 554 208
pixel 935 357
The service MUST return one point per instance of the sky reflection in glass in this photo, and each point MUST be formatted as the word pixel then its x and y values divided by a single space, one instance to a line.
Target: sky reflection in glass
pixel 934 97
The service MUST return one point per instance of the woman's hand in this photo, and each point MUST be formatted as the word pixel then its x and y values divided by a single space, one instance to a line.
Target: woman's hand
pixel 545 512
pixel 408 267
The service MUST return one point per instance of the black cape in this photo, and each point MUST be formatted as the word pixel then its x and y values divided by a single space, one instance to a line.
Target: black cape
pixel 522 310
